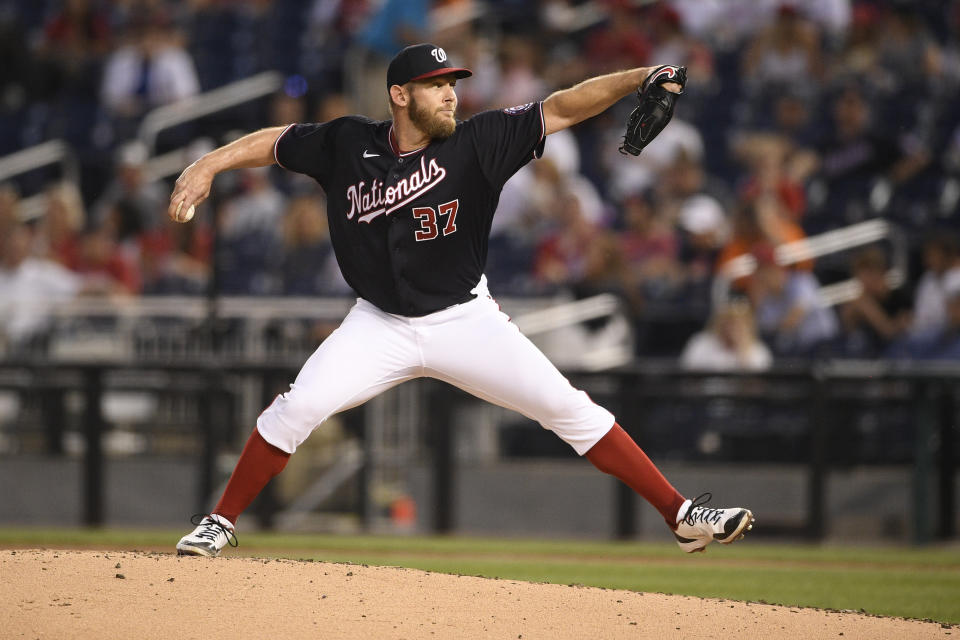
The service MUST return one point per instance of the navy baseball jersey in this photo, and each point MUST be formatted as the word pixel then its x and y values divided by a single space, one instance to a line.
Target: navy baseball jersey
pixel 410 229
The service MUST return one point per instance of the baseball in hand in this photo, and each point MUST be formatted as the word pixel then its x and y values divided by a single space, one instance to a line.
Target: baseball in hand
pixel 186 216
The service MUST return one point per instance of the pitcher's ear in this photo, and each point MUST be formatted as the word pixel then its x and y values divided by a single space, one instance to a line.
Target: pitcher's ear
pixel 399 96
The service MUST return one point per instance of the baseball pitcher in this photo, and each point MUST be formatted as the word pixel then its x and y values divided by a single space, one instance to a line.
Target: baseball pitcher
pixel 410 202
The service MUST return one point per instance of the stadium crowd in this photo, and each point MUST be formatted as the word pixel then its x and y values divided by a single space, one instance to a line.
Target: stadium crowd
pixel 800 117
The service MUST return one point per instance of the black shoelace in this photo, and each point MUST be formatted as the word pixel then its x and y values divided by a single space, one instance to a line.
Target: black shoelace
pixel 703 514
pixel 212 529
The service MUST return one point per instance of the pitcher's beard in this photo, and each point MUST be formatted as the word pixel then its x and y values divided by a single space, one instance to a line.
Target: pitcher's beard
pixel 435 126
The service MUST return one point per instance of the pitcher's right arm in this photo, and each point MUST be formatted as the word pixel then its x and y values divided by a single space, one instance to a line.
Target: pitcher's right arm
pixel 193 185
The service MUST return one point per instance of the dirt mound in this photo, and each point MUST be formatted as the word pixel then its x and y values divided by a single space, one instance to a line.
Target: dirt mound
pixel 104 594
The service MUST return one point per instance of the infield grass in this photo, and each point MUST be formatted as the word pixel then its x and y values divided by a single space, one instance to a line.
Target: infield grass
pixel 909 582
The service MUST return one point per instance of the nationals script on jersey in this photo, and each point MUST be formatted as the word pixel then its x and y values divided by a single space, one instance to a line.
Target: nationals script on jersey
pixel 378 200
pixel 410 229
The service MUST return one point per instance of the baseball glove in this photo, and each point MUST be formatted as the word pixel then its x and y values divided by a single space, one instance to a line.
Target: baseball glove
pixel 655 109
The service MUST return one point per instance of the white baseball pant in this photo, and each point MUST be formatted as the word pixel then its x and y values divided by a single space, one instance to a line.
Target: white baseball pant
pixel 473 346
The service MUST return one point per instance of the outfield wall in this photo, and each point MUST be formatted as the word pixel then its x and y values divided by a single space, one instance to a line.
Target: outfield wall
pixel 542 499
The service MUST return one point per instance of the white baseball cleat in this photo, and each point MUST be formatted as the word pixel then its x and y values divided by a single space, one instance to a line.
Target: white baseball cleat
pixel 701 525
pixel 212 534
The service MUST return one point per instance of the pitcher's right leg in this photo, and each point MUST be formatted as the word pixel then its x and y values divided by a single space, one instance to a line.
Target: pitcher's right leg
pixel 370 352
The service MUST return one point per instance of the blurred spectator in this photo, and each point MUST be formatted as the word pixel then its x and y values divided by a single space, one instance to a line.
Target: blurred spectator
pixel 940 258
pixel 30 288
pixel 131 202
pixel 650 248
pixel 729 343
pixel 480 54
pixel 879 315
pixel 855 156
pixel 605 267
pixel 175 258
pixel 331 26
pixel 951 162
pixel 860 55
pixel 18 78
pixel 75 39
pixel 793 118
pixel 767 157
pixel 151 69
pixel 332 106
pixel 250 233
pixel 684 179
pixel 9 203
pixel 907 51
pixel 726 22
pixel 526 206
pixel 562 256
pixel 941 343
pixel 64 219
pixel 523 216
pixel 286 108
pixel 576 346
pixel 779 140
pixel 759 224
pixel 777 73
pixel 309 265
pixel 831 16
pixel 790 315
pixel 704 230
pixel 785 53
pixel 267 36
pixel 104 266
pixel 529 198
pixel 562 18
pixel 393 25
pixel 628 175
pixel 671 43
pixel 564 153
pixel 620 43
pixel 520 78
pixel 783 58
pixel 257 207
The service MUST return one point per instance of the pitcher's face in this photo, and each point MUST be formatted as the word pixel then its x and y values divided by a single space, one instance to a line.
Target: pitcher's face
pixel 433 106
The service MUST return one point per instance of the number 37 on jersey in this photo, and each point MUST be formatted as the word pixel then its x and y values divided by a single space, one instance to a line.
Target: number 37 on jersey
pixel 436 221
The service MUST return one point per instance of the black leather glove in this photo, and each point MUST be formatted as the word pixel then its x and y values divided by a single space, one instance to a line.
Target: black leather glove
pixel 655 109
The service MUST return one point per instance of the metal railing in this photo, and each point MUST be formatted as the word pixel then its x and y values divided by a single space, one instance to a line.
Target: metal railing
pixel 41 155
pixel 855 235
pixel 204 104
pixel 128 317
pixel 816 402
pixel 568 314
pixel 50 152
pixel 156 121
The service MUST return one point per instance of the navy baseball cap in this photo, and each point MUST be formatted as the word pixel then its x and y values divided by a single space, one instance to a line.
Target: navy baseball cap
pixel 420 61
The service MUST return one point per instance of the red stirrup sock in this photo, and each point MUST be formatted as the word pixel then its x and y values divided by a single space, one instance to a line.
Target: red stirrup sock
pixel 259 462
pixel 617 454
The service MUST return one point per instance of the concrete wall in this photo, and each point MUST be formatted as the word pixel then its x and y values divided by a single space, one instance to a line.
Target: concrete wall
pixel 543 499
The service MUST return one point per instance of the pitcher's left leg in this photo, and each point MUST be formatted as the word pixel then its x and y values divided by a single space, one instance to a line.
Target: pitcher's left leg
pixel 485 354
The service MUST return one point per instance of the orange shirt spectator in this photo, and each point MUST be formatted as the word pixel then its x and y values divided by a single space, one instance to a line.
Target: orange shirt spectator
pixel 759 224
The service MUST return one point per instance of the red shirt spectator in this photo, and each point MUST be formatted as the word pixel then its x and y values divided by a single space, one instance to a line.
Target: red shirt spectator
pixel 104 266
pixel 562 256
pixel 622 44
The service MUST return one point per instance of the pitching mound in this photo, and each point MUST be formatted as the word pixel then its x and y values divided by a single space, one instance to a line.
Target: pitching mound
pixel 97 594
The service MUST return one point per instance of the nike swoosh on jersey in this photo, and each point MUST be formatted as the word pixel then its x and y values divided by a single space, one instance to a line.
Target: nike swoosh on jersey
pixel 367 154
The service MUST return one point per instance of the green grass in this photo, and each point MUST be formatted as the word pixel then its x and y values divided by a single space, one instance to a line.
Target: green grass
pixel 908 582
